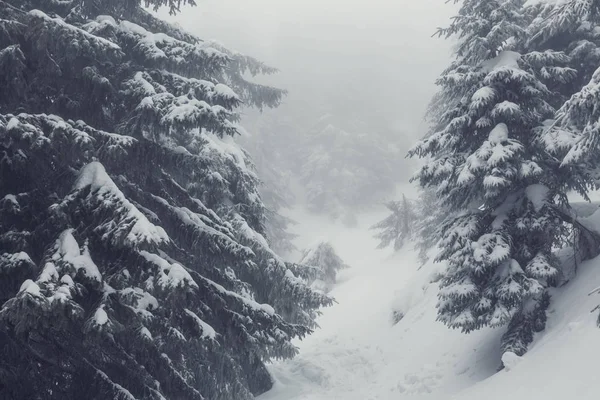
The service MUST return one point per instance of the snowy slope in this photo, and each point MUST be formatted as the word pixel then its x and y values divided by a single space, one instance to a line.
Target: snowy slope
pixel 359 354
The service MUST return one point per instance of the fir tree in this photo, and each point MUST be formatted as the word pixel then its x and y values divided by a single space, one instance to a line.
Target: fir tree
pixel 320 265
pixel 399 227
pixel 133 262
pixel 573 137
pixel 490 169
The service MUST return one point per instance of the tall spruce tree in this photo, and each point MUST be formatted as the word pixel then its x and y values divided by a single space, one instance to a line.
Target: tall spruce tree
pixel 133 263
pixel 574 134
pixel 488 164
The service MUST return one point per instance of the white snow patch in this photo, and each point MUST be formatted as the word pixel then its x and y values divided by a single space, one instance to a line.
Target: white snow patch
pixel 207 330
pixel 171 275
pixel 510 360
pixel 499 134
pixel 30 287
pixel 68 250
pixel 538 195
pixel 505 59
pixel 100 316
pixel 11 198
pixel 145 333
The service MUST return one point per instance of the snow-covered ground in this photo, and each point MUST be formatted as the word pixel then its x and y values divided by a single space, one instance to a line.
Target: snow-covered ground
pixel 358 354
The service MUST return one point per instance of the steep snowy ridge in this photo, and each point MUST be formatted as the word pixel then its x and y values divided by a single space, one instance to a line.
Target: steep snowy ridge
pixel 359 354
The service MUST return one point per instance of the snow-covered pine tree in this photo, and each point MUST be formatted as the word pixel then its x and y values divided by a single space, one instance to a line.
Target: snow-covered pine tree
pixel 398 227
pixel 320 265
pixel 573 137
pixel 133 263
pixel 487 164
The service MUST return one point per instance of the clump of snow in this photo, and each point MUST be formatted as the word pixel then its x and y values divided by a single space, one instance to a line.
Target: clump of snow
pixel 225 91
pixel 13 260
pixel 30 287
pixel 538 195
pixel 172 275
pixel 499 134
pixel 49 273
pixel 207 330
pixel 510 360
pixel 505 59
pixel 505 109
pixel 67 280
pixel 68 250
pixel 94 176
pixel 145 333
pixel 100 317
pixel 11 198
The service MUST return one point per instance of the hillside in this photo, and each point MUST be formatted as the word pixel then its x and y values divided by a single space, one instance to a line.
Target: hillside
pixel 358 354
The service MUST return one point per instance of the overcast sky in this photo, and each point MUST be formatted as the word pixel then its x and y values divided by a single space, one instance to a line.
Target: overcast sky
pixel 377 55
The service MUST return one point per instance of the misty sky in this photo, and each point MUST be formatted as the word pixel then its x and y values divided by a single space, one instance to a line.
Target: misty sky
pixel 377 56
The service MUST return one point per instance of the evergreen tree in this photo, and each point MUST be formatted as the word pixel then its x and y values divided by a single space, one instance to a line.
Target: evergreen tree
pixel 490 169
pixel 574 134
pixel 399 227
pixel 133 263
pixel 320 264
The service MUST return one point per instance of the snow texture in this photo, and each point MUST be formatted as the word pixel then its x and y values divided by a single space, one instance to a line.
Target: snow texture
pixel 359 354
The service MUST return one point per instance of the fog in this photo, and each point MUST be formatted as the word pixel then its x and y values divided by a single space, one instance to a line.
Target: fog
pixel 359 76
pixel 374 56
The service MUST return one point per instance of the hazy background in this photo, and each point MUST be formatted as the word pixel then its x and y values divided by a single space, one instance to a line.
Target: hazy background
pixel 359 74
pixel 376 54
